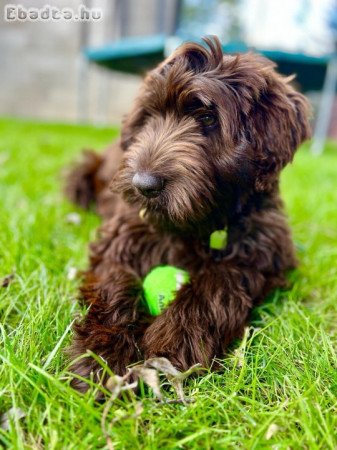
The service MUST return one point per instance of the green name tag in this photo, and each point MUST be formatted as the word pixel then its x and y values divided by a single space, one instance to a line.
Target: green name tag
pixel 218 239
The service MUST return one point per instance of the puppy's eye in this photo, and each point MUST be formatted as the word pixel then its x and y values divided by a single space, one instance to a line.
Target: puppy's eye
pixel 208 120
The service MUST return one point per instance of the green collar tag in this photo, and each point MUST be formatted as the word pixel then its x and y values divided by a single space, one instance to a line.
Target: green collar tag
pixel 218 240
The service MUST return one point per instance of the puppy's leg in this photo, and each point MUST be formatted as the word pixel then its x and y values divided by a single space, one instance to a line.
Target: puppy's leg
pixel 206 315
pixel 115 322
pixel 111 327
pixel 213 308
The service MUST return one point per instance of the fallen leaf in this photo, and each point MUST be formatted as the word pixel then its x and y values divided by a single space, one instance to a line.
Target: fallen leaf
pixel 10 415
pixel 174 376
pixel 114 384
pixel 272 429
pixel 150 377
pixel 73 218
pixel 72 273
pixel 148 372
pixel 7 280
pixel 163 365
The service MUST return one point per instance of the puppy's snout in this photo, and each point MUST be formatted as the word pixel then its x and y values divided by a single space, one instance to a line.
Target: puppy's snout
pixel 148 184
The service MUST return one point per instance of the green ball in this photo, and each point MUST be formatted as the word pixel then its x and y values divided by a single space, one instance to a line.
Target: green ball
pixel 160 287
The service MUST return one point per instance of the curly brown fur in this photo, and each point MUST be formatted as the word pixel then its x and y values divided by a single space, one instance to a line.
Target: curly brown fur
pixel 214 132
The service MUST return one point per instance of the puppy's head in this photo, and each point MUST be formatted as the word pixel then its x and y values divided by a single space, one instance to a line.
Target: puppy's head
pixel 204 127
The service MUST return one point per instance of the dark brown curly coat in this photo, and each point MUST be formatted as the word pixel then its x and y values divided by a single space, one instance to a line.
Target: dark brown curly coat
pixel 201 149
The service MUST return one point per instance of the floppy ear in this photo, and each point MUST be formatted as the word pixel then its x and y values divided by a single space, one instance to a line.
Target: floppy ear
pixel 279 123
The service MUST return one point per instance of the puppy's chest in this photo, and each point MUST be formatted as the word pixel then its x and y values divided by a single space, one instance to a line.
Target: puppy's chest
pixel 192 254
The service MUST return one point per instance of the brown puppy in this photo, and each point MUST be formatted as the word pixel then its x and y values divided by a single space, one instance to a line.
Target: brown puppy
pixel 201 150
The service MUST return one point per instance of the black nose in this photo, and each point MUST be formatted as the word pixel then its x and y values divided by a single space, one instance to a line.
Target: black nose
pixel 148 184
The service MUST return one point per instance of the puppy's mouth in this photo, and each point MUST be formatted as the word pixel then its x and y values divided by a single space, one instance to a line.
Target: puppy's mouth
pixel 171 202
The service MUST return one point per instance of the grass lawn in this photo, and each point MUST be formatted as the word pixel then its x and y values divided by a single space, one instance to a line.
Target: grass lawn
pixel 278 391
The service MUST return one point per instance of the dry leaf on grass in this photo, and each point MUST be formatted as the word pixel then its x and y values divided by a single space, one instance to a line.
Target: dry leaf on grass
pixel 72 273
pixel 174 376
pixel 150 377
pixel 148 372
pixel 116 385
pixel 73 218
pixel 7 280
pixel 272 429
pixel 11 415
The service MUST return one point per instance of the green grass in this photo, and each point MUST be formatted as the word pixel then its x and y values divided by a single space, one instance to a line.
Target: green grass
pixel 283 379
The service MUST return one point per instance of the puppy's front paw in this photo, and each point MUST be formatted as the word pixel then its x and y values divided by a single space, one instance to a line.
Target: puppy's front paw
pixel 88 369
pixel 182 346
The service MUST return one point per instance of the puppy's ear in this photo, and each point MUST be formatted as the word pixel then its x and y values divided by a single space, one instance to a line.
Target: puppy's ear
pixel 279 123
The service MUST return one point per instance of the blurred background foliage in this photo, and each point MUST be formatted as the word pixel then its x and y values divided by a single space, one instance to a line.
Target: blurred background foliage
pixel 61 70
